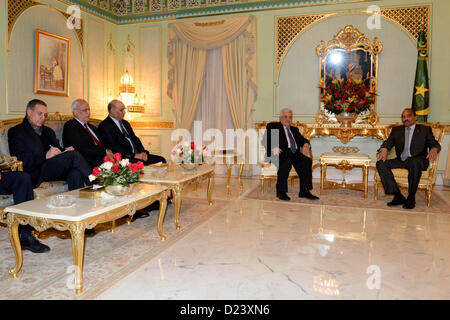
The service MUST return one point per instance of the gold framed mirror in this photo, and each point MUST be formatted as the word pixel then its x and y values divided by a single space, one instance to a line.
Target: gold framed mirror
pixel 348 59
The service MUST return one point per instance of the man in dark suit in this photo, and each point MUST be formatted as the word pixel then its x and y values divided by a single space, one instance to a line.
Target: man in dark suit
pixel 19 185
pixel 286 147
pixel 83 136
pixel 119 136
pixel 411 142
pixel 43 158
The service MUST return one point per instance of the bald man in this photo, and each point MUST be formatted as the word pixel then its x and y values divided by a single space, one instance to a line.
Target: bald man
pixel 119 136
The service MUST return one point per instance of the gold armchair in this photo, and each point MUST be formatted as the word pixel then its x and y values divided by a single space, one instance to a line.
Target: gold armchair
pixel 269 170
pixel 428 178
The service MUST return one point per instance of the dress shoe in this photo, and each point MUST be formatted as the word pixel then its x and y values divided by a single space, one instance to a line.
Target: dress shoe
pixel 29 242
pixel 308 195
pixel 410 202
pixel 397 200
pixel 283 196
pixel 140 215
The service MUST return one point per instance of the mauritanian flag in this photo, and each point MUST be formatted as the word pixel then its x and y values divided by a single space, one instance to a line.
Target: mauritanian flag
pixel 421 95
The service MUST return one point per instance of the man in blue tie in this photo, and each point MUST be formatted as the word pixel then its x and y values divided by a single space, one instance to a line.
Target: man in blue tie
pixel 286 147
pixel 118 136
pixel 412 142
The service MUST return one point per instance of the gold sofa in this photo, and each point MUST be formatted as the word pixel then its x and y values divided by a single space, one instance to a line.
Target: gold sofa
pixel 269 170
pixel 56 122
pixel 428 178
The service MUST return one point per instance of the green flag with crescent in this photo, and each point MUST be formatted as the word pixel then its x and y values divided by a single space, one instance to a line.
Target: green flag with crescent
pixel 421 95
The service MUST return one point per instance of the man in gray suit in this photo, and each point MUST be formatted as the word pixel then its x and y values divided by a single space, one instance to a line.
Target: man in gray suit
pixel 412 142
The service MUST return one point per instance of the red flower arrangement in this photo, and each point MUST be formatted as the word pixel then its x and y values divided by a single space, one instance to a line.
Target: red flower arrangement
pixel 117 171
pixel 346 95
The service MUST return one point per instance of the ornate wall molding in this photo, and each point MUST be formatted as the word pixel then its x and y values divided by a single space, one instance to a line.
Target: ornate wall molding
pixel 153 124
pixel 288 28
pixel 411 19
pixel 134 11
pixel 17 7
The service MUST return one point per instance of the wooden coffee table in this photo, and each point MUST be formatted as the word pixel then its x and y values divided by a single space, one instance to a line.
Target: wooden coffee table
pixel 84 214
pixel 176 179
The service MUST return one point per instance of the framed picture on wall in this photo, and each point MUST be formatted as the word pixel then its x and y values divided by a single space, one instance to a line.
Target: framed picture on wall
pixel 51 67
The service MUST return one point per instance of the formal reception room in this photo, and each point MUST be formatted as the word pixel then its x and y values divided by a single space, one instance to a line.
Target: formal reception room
pixel 224 150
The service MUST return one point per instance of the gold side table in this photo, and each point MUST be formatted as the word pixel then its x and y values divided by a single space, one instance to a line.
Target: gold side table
pixel 344 162
pixel 176 179
pixel 230 159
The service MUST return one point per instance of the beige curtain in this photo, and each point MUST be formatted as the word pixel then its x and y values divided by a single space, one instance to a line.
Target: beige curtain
pixel 238 80
pixel 186 81
pixel 188 42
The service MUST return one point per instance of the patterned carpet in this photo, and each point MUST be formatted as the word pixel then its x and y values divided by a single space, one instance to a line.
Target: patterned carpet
pixel 108 256
pixel 351 198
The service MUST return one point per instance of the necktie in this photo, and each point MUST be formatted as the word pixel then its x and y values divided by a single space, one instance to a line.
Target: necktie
pixel 405 153
pixel 125 133
pixel 96 141
pixel 291 140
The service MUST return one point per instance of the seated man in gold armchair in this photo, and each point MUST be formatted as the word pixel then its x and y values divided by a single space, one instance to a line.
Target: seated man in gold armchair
pixel 286 147
pixel 411 142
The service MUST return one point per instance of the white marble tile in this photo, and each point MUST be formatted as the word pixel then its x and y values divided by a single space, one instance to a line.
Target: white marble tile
pixel 274 250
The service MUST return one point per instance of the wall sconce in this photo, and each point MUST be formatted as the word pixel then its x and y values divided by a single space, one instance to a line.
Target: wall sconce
pixel 128 95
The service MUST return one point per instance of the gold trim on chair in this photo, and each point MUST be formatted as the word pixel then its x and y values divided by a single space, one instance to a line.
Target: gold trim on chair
pixel 428 179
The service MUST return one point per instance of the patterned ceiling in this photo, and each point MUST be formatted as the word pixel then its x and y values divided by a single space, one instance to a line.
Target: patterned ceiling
pixel 125 11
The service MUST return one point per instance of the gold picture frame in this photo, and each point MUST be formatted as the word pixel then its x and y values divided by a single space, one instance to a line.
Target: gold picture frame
pixel 358 59
pixel 52 64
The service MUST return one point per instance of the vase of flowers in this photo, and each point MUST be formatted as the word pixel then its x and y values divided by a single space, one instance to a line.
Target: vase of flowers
pixel 189 156
pixel 117 174
pixel 347 98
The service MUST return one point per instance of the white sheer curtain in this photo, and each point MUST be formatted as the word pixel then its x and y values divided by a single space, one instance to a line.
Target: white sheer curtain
pixel 213 108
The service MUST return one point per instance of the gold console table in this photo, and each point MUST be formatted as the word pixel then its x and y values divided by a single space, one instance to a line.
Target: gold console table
pixel 311 130
pixel 344 134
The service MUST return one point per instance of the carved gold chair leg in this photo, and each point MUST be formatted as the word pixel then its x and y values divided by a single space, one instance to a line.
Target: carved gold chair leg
pixel 375 188
pixel 241 168
pixel 261 182
pixel 229 167
pixel 428 197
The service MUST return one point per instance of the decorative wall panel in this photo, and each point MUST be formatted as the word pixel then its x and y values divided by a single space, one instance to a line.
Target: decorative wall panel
pixel 95 48
pixel 150 69
pixel 412 19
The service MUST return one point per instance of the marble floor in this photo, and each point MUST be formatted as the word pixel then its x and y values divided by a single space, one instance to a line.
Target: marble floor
pixel 259 249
